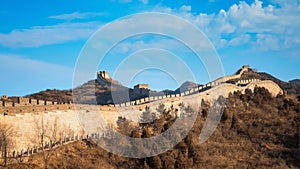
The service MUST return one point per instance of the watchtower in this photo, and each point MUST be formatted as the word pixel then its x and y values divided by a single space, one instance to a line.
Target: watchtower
pixel 141 89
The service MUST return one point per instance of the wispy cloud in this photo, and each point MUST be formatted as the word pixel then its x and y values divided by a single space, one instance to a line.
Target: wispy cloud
pixel 285 2
pixel 186 8
pixel 240 40
pixel 129 1
pixel 270 27
pixel 46 35
pixel 158 42
pixel 122 1
pixel 32 75
pixel 144 1
pixel 78 15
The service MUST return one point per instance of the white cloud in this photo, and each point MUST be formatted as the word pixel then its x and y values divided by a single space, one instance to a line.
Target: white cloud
pixel 262 27
pixel 270 26
pixel 156 42
pixel 175 29
pixel 267 42
pixel 241 40
pixel 285 2
pixel 253 18
pixel 77 15
pixel 45 35
pixel 186 8
pixel 144 1
pixel 256 23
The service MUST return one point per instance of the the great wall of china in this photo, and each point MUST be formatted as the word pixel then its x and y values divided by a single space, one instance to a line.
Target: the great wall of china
pixel 25 112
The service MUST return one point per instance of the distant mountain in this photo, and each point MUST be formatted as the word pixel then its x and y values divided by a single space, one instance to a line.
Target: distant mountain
pixel 186 86
pixel 167 91
pixel 53 95
pixel 92 92
pixel 116 93
pixel 296 81
pixel 105 94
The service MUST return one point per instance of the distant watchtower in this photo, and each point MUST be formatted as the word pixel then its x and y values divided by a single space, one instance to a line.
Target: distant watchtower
pixel 103 78
pixel 141 89
pixel 104 75
pixel 245 68
pixel 4 97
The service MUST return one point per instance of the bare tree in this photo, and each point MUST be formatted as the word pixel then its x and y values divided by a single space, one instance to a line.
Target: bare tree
pixel 45 137
pixel 147 117
pixel 6 142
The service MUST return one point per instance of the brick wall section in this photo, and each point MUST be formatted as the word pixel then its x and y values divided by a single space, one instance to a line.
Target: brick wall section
pixel 22 117
pixel 9 110
pixel 26 105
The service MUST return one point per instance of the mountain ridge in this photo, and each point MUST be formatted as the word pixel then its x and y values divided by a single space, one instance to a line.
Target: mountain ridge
pixel 117 93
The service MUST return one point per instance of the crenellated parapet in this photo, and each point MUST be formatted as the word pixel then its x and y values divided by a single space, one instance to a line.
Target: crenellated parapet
pixel 237 75
pixel 23 116
pixel 16 105
pixel 22 113
pixel 27 105
pixel 272 87
pixel 186 93
pixel 104 79
pixel 24 101
pixel 22 105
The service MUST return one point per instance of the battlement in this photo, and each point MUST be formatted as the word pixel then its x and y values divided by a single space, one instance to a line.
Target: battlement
pixel 244 69
pixel 24 101
pixel 32 105
pixel 104 75
pixel 15 105
pixel 104 79
pixel 20 105
pixel 141 89
pixel 240 83
pixel 67 114
pixel 21 113
pixel 141 86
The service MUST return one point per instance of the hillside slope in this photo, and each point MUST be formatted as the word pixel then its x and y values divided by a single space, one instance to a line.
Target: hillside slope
pixel 53 95
pixel 91 92
pixel 289 87
pixel 256 131
pixel 297 81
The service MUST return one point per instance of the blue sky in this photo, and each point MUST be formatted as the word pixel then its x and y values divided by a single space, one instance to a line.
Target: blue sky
pixel 40 41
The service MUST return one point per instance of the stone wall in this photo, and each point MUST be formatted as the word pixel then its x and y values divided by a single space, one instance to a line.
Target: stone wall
pixel 231 77
pixel 22 117
pixel 25 125
pixel 9 109
pixel 273 88
pixel 104 79
pixel 32 105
